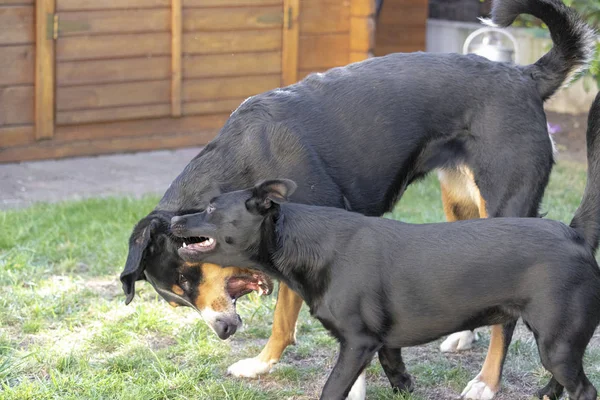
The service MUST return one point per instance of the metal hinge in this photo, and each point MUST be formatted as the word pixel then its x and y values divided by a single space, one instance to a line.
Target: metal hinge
pixel 52 26
pixel 55 26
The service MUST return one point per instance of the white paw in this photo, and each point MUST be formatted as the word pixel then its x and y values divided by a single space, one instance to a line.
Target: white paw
pixel 478 390
pixel 359 389
pixel 249 368
pixel 459 341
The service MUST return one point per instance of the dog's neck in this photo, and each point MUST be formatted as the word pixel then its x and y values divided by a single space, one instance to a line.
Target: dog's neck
pixel 296 247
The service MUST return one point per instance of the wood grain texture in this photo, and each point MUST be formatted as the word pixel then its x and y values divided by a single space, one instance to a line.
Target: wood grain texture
pixel 290 45
pixel 111 71
pixel 176 53
pixel 232 19
pixel 17 64
pixel 44 70
pixel 323 51
pixel 112 114
pixel 113 95
pixel 230 42
pixel 46 150
pixel 17 105
pixel 139 128
pixel 228 3
pixel 17 24
pixel 113 46
pixel 16 135
pixel 81 23
pixel 235 64
pixel 227 88
pixel 70 5
pixel 324 16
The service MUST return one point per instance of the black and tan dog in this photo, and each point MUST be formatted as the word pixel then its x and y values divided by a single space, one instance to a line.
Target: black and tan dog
pixel 379 285
pixel 355 138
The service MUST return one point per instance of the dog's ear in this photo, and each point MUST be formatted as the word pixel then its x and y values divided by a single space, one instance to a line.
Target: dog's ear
pixel 272 191
pixel 139 242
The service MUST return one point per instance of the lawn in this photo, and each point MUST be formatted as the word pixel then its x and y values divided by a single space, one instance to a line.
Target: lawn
pixel 65 332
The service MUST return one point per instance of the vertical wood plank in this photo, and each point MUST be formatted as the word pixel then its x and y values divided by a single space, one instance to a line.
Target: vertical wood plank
pixel 44 69
pixel 291 31
pixel 362 8
pixel 362 29
pixel 176 66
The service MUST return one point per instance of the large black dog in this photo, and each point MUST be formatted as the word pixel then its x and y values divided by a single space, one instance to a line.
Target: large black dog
pixel 379 285
pixel 355 138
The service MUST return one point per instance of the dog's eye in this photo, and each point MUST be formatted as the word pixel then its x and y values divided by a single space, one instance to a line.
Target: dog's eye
pixel 182 279
pixel 210 208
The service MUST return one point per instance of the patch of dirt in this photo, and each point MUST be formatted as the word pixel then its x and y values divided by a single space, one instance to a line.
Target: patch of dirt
pixel 569 136
pixel 105 288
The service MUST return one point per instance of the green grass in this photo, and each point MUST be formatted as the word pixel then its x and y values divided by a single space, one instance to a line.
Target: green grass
pixel 66 334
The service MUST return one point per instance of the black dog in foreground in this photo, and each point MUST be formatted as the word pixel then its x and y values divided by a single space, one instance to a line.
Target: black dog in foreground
pixel 355 137
pixel 379 285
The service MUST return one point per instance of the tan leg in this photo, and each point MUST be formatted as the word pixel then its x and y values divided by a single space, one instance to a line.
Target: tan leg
pixel 283 334
pixel 462 200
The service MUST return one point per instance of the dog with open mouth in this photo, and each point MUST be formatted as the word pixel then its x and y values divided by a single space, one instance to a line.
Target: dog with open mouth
pixel 209 289
pixel 379 285
pixel 356 137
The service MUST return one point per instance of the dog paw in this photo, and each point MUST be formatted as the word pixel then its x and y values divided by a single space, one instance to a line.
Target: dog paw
pixel 477 390
pixel 249 368
pixel 359 389
pixel 459 341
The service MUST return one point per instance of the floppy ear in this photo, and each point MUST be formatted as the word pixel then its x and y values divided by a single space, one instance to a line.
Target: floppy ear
pixel 138 243
pixel 272 191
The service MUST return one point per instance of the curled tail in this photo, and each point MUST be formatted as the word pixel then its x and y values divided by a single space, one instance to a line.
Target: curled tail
pixel 587 217
pixel 573 39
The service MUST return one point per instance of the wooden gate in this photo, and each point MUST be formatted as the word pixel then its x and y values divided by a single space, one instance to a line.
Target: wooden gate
pixel 83 77
pixel 113 64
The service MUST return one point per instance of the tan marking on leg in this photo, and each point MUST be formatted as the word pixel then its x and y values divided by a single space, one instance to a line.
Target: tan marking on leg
pixel 458 189
pixel 490 372
pixel 482 208
pixel 283 333
pixel 462 200
pixel 173 304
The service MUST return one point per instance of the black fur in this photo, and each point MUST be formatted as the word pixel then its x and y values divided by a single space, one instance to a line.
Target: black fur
pixel 355 137
pixel 380 285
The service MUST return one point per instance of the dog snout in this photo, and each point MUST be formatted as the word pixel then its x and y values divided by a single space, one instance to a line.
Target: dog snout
pixel 225 328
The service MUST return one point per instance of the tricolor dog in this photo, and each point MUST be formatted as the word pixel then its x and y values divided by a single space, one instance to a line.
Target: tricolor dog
pixel 354 138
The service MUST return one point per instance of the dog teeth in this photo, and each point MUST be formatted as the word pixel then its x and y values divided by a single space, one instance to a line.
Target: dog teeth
pixel 184 245
pixel 260 291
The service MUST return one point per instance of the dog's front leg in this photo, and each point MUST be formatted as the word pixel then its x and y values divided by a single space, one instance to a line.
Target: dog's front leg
pixel 353 358
pixel 283 334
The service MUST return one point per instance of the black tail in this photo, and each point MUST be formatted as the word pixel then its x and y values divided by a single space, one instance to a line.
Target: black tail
pixel 573 39
pixel 587 217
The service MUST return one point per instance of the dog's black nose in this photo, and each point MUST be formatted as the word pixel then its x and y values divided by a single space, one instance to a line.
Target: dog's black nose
pixel 224 328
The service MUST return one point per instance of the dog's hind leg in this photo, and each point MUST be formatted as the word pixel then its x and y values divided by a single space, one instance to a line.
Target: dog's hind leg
pixel 394 368
pixel 461 200
pixel 565 364
pixel 283 334
pixel 487 383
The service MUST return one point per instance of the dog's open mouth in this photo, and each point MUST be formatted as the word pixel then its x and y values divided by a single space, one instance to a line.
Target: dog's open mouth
pixel 198 244
pixel 240 285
